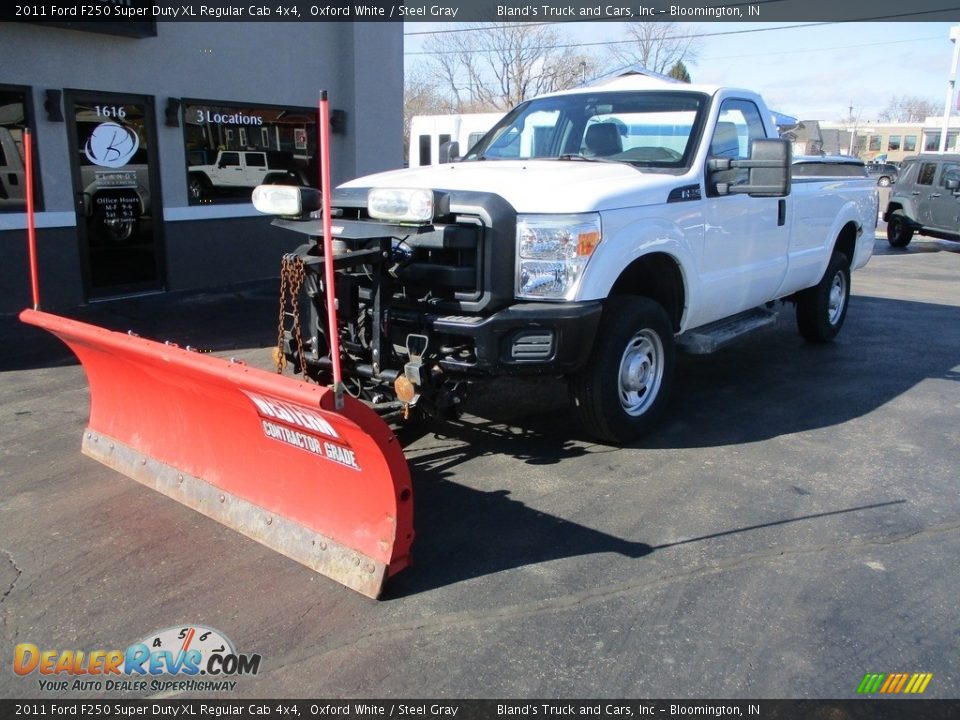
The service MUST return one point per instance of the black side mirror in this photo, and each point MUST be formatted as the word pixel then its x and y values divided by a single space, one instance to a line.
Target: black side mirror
pixel 449 152
pixel 768 166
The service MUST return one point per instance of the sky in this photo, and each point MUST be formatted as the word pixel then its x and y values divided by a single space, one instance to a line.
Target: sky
pixel 812 73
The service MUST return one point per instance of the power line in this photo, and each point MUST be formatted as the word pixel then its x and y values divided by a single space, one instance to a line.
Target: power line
pixel 812 50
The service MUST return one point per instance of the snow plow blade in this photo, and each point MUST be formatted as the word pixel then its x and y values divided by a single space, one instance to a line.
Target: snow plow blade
pixel 263 454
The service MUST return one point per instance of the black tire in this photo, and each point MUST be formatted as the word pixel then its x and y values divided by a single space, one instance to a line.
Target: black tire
pixel 899 230
pixel 822 309
pixel 623 390
pixel 198 186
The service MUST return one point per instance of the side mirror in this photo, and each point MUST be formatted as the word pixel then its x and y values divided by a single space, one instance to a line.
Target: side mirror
pixel 768 165
pixel 952 184
pixel 449 152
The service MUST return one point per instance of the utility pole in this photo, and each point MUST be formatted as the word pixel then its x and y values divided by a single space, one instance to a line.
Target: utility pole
pixel 955 39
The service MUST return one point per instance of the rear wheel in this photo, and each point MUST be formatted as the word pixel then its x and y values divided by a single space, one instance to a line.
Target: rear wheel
pixel 822 309
pixel 899 231
pixel 623 390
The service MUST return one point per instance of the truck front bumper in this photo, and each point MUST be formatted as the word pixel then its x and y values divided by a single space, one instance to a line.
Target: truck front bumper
pixel 524 339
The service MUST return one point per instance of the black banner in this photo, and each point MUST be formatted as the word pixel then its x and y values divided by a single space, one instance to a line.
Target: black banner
pixel 878 709
pixel 137 15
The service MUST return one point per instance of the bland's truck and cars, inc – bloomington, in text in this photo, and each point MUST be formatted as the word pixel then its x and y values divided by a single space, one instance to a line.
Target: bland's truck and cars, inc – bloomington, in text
pixel 588 235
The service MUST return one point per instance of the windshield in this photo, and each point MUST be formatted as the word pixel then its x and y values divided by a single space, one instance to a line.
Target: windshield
pixel 648 129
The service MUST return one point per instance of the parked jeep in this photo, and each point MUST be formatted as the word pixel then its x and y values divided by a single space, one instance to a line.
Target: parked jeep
pixel 243 170
pixel 926 199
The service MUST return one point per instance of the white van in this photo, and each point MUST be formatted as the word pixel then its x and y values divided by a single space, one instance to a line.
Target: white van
pixel 428 134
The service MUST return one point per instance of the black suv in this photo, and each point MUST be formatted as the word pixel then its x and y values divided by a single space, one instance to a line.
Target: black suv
pixel 885 173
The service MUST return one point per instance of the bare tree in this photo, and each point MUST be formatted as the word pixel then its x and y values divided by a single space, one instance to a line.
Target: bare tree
pixel 421 96
pixel 656 46
pixel 910 109
pixel 493 67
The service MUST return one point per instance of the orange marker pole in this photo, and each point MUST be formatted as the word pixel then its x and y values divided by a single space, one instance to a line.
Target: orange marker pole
pixel 326 190
pixel 31 225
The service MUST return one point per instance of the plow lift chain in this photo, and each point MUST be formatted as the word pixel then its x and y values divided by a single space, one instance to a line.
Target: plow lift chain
pixel 366 352
pixel 395 372
pixel 292 274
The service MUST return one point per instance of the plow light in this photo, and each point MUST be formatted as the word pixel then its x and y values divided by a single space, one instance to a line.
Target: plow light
pixel 285 200
pixel 412 205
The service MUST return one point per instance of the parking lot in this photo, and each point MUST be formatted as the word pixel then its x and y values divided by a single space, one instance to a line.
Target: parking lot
pixel 793 525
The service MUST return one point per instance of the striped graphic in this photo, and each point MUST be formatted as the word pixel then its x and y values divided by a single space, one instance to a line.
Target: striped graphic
pixel 894 683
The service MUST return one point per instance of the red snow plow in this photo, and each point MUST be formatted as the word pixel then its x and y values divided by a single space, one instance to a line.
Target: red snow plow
pixel 266 455
pixel 303 468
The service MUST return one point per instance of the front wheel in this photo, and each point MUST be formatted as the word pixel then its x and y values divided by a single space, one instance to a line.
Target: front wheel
pixel 197 186
pixel 899 232
pixel 822 309
pixel 623 390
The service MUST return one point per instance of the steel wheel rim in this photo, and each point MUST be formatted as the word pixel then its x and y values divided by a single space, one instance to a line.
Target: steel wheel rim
pixel 641 373
pixel 838 298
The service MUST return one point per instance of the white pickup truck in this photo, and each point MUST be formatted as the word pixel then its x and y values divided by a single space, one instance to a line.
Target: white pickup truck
pixel 589 234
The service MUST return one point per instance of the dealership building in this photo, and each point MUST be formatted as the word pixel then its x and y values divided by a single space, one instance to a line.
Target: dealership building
pixel 148 137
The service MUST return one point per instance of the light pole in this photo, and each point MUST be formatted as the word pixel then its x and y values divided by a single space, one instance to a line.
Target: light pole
pixel 954 38
pixel 583 70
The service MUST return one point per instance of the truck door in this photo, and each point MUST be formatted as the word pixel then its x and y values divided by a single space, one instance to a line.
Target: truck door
pixel 116 185
pixel 745 243
pixel 228 172
pixel 923 192
pixel 944 205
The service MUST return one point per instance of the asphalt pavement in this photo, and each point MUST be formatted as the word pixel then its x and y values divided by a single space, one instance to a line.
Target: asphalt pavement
pixel 793 525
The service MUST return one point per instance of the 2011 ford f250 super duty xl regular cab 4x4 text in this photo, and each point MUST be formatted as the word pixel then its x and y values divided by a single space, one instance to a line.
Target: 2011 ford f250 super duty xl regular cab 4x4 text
pixel 587 235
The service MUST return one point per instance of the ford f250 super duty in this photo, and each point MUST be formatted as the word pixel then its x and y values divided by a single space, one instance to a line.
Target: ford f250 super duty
pixel 588 235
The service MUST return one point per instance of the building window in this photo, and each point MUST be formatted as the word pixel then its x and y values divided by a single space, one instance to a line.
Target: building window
pixel 232 148
pixel 16 116
pixel 893 143
pixel 875 143
pixel 931 140
pixel 909 143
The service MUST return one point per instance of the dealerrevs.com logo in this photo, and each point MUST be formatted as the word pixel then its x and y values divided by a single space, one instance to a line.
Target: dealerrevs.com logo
pixel 184 658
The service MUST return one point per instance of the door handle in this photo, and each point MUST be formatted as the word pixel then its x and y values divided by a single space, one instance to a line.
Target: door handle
pixel 933 195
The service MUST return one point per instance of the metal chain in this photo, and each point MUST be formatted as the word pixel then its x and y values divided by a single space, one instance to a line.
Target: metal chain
pixel 292 274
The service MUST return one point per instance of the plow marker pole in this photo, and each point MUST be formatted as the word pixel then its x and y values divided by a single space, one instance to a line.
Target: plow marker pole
pixel 31 223
pixel 264 454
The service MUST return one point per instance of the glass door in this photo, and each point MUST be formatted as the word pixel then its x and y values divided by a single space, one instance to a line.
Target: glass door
pixel 116 186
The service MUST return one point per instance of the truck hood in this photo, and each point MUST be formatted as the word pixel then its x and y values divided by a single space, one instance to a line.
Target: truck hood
pixel 540 186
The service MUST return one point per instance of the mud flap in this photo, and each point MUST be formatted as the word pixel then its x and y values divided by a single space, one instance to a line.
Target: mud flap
pixel 266 455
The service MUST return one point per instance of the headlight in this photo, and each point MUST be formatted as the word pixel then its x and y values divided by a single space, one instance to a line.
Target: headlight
pixel 413 205
pixel 552 251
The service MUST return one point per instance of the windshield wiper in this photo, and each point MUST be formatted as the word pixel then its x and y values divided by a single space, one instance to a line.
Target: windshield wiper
pixel 593 158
